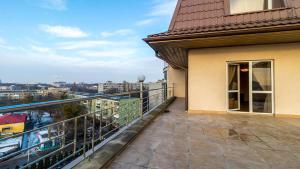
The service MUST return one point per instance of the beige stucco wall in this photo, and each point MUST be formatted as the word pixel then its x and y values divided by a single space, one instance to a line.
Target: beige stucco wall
pixel 177 78
pixel 207 75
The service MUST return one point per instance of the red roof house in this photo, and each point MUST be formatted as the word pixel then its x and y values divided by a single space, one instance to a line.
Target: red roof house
pixel 12 118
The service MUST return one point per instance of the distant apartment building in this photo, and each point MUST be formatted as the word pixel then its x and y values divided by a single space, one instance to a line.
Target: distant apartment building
pixel 4 88
pixel 131 86
pixel 60 84
pixel 116 109
pixel 111 87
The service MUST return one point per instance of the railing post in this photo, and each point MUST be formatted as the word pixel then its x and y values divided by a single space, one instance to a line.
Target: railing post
pixel 93 136
pixel 165 88
pixel 63 134
pixel 84 137
pixel 75 137
pixel 141 98
pixel 100 126
pixel 127 119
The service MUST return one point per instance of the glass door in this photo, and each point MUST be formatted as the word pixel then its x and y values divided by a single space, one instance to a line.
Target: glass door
pixel 233 87
pixel 261 90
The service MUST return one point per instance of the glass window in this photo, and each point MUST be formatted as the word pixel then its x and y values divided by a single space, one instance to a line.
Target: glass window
pixel 240 6
pixel 261 76
pixel 233 77
pixel 278 4
pixel 262 102
pixel 233 101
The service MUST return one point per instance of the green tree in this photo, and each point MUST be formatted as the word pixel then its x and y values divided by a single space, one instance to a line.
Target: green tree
pixel 73 109
pixel 28 98
pixel 64 95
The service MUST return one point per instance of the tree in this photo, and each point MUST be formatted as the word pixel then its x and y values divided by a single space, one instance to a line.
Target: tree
pixel 28 98
pixel 73 109
pixel 64 95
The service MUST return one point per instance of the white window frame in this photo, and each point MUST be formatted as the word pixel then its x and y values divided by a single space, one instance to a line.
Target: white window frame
pixel 269 7
pixel 251 92
pixel 238 91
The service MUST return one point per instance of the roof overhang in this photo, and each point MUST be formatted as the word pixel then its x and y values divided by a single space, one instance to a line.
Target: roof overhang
pixel 174 49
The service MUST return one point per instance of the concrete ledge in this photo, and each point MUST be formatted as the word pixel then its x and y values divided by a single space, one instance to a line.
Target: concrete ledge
pixel 108 152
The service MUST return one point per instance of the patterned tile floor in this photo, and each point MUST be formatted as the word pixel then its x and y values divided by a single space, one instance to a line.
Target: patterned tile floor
pixel 176 140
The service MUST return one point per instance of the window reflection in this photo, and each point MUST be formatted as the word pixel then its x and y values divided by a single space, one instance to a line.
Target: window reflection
pixel 261 76
pixel 233 77
pixel 262 102
pixel 233 101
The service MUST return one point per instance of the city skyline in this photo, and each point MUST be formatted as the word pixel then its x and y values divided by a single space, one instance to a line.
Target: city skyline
pixel 80 41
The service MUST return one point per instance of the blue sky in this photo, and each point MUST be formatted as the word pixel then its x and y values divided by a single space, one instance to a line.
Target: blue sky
pixel 80 40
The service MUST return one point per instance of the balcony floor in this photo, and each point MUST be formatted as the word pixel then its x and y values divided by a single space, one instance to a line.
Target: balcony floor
pixel 177 140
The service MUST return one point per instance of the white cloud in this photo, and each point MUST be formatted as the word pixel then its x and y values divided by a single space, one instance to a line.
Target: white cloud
pixel 83 44
pixel 145 22
pixel 54 4
pixel 119 53
pixel 63 31
pixel 5 45
pixel 2 41
pixel 120 32
pixel 40 49
pixel 163 8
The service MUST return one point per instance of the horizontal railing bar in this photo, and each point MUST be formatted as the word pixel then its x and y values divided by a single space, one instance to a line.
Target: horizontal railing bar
pixel 121 123
pixel 61 161
pixel 31 147
pixel 20 107
pixel 41 158
pixel 79 159
pixel 111 131
pixel 52 125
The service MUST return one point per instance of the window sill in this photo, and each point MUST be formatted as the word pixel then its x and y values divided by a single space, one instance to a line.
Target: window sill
pixel 260 11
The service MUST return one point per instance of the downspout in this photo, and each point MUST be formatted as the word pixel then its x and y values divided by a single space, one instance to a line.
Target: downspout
pixel 187 83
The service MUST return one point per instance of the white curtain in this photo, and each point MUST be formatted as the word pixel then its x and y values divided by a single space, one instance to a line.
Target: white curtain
pixel 263 77
pixel 268 104
pixel 231 74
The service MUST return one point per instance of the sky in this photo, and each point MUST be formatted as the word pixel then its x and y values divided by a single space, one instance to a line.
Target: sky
pixel 80 40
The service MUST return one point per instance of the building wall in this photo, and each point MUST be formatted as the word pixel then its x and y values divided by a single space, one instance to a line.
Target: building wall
pixel 14 128
pixel 207 75
pixel 176 77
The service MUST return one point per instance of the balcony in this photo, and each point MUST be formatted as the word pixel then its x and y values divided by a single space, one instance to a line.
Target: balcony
pixel 67 140
pixel 177 140
pixel 173 139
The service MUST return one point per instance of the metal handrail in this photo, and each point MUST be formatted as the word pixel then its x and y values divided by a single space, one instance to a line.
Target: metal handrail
pixel 103 133
pixel 14 108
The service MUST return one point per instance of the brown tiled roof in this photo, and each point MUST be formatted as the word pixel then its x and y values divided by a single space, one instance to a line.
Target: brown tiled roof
pixel 200 16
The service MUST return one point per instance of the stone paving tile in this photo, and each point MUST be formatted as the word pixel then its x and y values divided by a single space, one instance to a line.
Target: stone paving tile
pixel 116 165
pixel 176 140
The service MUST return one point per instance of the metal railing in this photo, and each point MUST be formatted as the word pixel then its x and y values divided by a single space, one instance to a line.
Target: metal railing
pixel 56 145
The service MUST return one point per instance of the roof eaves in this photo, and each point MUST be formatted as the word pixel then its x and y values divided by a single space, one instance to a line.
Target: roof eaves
pixel 226 30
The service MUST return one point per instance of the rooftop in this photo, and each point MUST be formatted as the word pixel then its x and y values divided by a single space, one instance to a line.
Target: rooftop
pixel 191 17
pixel 12 118
pixel 178 140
